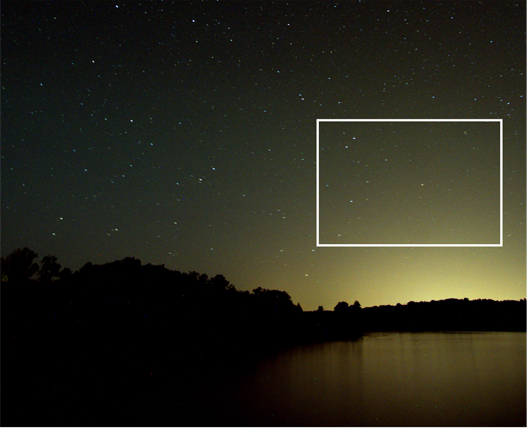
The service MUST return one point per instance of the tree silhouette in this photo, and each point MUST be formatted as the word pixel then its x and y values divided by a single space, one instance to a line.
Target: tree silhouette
pixel 18 267
pixel 49 268
pixel 341 307
pixel 274 301
pixel 65 275
pixel 219 283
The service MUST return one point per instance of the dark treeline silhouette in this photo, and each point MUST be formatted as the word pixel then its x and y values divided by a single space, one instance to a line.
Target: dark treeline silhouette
pixel 107 344
pixel 447 315
pixel 444 315
pixel 93 347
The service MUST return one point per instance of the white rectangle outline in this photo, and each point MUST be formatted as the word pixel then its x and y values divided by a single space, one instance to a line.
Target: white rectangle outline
pixel 318 244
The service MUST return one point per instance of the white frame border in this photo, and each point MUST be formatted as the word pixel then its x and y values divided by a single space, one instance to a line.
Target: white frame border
pixel 318 244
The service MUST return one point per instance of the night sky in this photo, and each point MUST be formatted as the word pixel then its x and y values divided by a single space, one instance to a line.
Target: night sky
pixel 425 183
pixel 184 134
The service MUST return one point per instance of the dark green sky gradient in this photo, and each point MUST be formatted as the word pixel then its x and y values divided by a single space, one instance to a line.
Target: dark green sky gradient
pixel 410 182
pixel 184 134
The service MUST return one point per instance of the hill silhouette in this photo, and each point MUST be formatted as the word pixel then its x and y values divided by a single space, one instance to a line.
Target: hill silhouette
pixel 93 347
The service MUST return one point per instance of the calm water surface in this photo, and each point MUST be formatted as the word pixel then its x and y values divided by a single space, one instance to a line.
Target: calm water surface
pixel 384 379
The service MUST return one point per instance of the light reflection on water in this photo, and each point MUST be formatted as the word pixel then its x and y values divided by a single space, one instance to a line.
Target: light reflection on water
pixel 384 379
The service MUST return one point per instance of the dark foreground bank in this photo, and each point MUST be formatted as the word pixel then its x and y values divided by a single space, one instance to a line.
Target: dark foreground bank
pixel 128 344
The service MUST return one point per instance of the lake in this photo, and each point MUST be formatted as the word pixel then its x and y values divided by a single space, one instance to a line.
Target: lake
pixel 383 379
